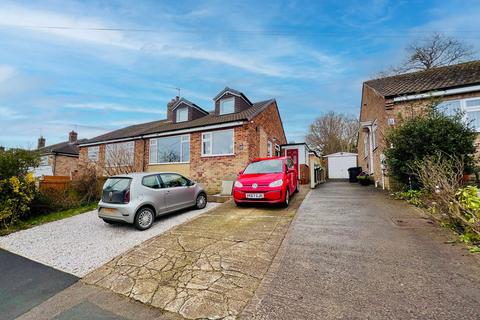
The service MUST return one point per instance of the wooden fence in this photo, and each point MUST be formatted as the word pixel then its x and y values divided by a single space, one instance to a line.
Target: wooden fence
pixel 58 183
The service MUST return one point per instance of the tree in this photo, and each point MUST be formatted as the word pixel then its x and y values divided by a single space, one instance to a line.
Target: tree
pixel 430 133
pixel 437 50
pixel 17 162
pixel 333 132
pixel 119 160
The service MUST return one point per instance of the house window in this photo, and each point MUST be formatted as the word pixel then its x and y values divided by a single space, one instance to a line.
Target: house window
pixel 472 113
pixel 120 154
pixel 217 143
pixel 170 149
pixel 227 106
pixel 449 107
pixel 269 149
pixel 92 153
pixel 182 114
pixel 44 161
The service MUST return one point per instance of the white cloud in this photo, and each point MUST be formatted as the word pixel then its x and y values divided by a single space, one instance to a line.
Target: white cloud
pixel 267 59
pixel 9 114
pixel 6 73
pixel 115 107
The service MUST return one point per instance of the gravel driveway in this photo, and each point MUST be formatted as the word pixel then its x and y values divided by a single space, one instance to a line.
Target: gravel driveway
pixel 79 244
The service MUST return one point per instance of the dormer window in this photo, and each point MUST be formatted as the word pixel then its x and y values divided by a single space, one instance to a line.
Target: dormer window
pixel 227 106
pixel 182 114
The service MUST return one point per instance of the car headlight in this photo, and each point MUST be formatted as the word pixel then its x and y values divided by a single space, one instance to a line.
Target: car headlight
pixel 238 184
pixel 276 183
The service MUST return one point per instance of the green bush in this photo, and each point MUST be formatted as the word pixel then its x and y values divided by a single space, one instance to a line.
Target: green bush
pixel 15 197
pixel 17 162
pixel 412 196
pixel 428 134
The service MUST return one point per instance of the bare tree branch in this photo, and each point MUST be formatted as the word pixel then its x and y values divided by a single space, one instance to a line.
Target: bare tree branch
pixel 333 132
pixel 437 50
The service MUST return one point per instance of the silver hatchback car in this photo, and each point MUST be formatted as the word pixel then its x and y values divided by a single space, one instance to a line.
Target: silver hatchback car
pixel 140 197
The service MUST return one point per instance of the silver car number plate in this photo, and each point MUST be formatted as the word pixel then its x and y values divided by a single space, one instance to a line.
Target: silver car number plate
pixel 254 195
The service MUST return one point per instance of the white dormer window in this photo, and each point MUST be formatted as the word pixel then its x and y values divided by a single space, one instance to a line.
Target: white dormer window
pixel 182 114
pixel 227 106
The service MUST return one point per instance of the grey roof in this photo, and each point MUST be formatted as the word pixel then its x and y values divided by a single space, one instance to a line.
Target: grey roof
pixel 238 93
pixel 64 147
pixel 166 125
pixel 189 103
pixel 459 75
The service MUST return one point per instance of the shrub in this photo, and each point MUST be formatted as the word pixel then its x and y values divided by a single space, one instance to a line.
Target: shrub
pixel 17 162
pixel 450 202
pixel 365 179
pixel 425 135
pixel 16 193
pixel 412 196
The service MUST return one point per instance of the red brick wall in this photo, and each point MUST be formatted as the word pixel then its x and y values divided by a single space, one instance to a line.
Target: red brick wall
pixel 374 106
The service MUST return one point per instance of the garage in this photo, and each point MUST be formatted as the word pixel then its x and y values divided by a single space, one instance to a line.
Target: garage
pixel 338 164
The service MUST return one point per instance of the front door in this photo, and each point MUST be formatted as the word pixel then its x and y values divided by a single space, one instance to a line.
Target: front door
pixel 293 153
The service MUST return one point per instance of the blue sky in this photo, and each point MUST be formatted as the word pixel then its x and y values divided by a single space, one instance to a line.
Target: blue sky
pixel 312 56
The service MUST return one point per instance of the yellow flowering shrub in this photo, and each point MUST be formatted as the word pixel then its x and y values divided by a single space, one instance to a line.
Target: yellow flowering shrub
pixel 15 197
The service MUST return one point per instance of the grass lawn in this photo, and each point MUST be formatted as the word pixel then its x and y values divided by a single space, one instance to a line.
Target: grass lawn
pixel 41 219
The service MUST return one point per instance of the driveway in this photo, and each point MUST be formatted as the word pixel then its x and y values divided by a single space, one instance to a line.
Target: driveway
pixel 353 253
pixel 208 267
pixel 25 284
pixel 84 242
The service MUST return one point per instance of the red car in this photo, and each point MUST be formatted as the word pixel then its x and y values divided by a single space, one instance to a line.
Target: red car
pixel 267 180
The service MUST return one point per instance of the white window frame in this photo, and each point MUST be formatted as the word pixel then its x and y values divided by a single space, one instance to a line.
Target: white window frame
pixel 184 138
pixel 269 149
pixel 227 100
pixel 464 108
pixel 207 137
pixel 181 110
pixel 43 161
pixel 129 146
pixel 92 153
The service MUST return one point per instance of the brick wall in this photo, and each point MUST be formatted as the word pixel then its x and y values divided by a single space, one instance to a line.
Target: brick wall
pixel 374 106
pixel 65 166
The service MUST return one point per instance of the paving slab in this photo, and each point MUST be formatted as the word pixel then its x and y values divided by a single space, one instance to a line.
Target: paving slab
pixel 208 267
pixel 354 253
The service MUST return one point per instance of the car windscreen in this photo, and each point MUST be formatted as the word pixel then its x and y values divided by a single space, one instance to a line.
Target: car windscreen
pixel 116 184
pixel 265 166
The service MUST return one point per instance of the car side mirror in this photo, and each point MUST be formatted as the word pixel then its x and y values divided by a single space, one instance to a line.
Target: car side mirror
pixel 241 172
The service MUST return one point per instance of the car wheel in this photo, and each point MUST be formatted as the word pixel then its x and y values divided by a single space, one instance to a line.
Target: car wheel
pixel 296 188
pixel 238 204
pixel 287 198
pixel 201 201
pixel 144 218
pixel 109 221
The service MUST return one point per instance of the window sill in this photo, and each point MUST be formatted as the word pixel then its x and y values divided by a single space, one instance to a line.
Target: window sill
pixel 217 155
pixel 162 163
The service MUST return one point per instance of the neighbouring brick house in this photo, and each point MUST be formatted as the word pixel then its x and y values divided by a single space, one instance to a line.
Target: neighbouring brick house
pixel 387 100
pixel 59 159
pixel 204 146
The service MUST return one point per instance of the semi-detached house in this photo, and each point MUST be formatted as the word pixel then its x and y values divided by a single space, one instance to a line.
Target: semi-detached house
pixel 204 146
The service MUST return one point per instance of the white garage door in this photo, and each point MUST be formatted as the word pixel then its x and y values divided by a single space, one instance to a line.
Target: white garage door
pixel 338 165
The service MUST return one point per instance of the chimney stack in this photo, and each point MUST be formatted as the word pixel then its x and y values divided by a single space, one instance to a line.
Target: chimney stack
pixel 41 142
pixel 170 108
pixel 72 136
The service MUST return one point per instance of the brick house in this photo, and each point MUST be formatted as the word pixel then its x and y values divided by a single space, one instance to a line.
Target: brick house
pixel 59 159
pixel 387 100
pixel 204 146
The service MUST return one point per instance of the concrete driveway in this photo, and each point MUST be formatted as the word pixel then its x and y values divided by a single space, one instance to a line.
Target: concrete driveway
pixel 353 253
pixel 206 268
pixel 84 242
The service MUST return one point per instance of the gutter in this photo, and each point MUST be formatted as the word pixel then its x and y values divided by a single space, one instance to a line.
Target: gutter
pixel 437 93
